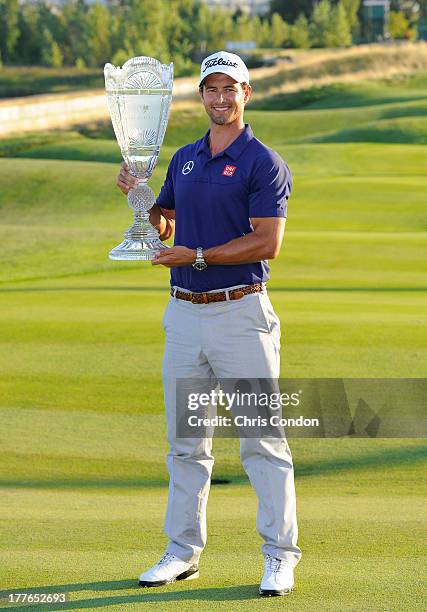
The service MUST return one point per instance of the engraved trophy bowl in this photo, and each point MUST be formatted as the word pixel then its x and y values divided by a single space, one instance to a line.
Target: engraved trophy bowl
pixel 139 96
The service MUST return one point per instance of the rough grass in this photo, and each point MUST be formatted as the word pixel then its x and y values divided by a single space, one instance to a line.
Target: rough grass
pixel 367 62
pixel 299 69
pixel 29 80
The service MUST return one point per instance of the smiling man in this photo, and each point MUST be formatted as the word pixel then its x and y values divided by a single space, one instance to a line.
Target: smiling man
pixel 225 196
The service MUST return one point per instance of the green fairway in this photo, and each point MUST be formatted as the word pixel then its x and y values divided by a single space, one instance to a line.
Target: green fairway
pixel 82 449
pixel 363 544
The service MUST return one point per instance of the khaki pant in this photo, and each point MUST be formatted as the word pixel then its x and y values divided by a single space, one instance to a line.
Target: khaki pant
pixel 229 339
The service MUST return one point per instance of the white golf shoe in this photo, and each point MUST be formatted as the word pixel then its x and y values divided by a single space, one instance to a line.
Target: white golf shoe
pixel 278 577
pixel 167 570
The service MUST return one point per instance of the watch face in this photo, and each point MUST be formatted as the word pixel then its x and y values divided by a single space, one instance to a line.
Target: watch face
pixel 200 265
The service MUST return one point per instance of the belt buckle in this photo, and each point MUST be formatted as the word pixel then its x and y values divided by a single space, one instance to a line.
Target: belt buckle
pixel 237 294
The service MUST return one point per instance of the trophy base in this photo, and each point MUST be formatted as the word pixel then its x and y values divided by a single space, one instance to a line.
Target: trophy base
pixel 143 250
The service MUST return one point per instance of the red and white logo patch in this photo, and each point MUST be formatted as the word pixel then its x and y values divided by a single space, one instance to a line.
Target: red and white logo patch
pixel 229 170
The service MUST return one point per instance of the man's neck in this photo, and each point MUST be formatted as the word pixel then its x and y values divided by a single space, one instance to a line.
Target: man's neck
pixel 221 136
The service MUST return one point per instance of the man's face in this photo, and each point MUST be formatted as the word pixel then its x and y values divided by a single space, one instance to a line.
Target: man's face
pixel 224 99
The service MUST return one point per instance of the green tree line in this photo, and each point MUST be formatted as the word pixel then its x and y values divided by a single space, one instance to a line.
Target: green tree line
pixel 404 16
pixel 88 34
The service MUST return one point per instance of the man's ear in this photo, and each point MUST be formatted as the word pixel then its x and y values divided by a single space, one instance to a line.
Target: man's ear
pixel 248 93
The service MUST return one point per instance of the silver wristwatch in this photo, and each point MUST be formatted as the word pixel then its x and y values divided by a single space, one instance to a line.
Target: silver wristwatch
pixel 200 263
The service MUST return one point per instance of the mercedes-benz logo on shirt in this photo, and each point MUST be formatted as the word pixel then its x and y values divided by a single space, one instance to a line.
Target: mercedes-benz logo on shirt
pixel 187 167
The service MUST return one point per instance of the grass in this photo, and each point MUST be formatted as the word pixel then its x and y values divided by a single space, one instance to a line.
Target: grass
pixel 344 65
pixel 29 80
pixel 328 113
pixel 101 538
pixel 82 452
pixel 302 66
pixel 403 88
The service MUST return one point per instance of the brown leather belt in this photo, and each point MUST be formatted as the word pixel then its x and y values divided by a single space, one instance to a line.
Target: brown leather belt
pixel 217 296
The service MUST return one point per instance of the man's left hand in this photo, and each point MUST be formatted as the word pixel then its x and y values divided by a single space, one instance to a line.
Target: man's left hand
pixel 175 256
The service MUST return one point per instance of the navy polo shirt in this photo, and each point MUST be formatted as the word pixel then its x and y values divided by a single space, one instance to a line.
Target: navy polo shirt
pixel 214 199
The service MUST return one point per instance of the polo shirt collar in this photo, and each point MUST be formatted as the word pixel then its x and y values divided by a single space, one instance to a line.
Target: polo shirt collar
pixel 234 150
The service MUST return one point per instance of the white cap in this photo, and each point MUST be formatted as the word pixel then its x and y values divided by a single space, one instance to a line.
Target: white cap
pixel 227 63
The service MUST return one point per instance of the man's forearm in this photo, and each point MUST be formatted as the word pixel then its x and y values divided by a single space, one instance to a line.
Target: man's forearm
pixel 263 242
pixel 250 248
pixel 165 227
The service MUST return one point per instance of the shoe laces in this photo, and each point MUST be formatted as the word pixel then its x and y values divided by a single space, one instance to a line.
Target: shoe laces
pixel 166 558
pixel 273 564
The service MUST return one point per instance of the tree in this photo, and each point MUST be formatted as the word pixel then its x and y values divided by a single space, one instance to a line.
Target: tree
pixel 180 22
pixel 340 27
pixel 352 8
pixel 141 28
pixel 321 16
pixel 262 33
pixel 120 23
pixel 279 31
pixel 398 25
pixel 243 28
pixel 76 32
pixel 300 33
pixel 9 32
pixel 321 32
pixel 415 11
pixel 29 42
pixel 50 52
pixel 99 35
pixel 290 10
pixel 217 27
pixel 199 28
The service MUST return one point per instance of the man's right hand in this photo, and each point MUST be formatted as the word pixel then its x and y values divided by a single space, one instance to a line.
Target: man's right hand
pixel 162 220
pixel 126 180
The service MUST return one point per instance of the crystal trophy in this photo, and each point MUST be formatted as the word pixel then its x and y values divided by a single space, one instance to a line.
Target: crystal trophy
pixel 139 96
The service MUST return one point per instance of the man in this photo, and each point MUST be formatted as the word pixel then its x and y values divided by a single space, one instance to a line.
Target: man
pixel 227 194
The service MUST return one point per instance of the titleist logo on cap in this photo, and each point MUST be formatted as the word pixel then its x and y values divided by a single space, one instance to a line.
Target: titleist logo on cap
pixel 215 61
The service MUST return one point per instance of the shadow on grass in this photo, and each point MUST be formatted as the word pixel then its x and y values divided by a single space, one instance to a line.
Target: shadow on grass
pixel 375 134
pixel 336 96
pixel 380 459
pixel 80 483
pixel 118 483
pixel 386 458
pixel 69 154
pixel 234 593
